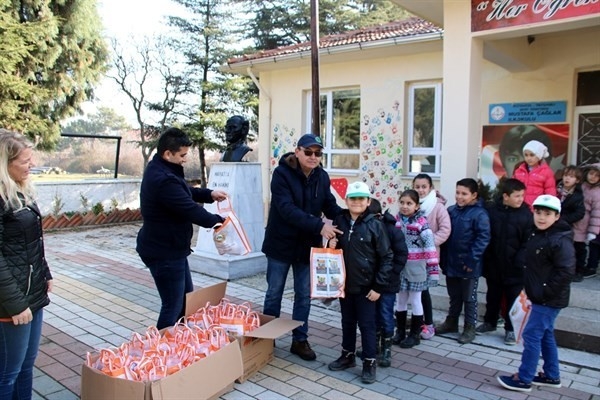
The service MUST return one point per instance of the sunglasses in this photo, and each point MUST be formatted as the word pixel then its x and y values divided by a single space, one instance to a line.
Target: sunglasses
pixel 309 153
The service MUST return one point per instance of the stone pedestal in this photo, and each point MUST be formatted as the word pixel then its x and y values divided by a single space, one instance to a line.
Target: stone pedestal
pixel 242 182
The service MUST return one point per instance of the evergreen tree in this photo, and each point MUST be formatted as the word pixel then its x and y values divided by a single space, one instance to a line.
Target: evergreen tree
pixel 285 22
pixel 207 41
pixel 51 55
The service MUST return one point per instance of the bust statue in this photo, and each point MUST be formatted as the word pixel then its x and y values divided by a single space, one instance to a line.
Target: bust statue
pixel 236 132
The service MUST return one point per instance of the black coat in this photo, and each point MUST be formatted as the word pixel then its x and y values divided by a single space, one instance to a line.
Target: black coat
pixel 169 207
pixel 400 250
pixel 572 208
pixel 367 253
pixel 24 272
pixel 297 204
pixel 550 265
pixel 510 229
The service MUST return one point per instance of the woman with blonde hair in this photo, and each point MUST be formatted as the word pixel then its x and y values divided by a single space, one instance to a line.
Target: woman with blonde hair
pixel 25 278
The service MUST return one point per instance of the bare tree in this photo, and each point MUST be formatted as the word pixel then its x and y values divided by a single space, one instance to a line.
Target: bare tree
pixel 153 80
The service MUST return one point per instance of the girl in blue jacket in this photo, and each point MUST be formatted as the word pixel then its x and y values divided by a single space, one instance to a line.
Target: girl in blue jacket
pixel 461 257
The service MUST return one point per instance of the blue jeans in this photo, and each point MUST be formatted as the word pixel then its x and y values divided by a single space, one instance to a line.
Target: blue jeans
pixel 18 349
pixel 358 310
pixel 538 336
pixel 385 314
pixel 173 280
pixel 276 276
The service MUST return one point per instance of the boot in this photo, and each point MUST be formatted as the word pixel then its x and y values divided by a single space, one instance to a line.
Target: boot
pixel 386 352
pixel 450 325
pixel 400 327
pixel 369 370
pixel 414 337
pixel 346 360
pixel 468 334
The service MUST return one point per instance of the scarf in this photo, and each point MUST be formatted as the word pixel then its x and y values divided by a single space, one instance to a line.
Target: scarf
pixel 428 202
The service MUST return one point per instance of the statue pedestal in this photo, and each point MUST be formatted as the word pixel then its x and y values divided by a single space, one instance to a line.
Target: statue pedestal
pixel 242 182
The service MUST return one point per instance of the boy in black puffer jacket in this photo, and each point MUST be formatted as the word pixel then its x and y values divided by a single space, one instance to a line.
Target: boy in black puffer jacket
pixel 549 268
pixel 511 224
pixel 385 305
pixel 368 261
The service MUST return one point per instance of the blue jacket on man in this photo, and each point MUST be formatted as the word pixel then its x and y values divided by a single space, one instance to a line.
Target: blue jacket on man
pixel 297 202
pixel 169 207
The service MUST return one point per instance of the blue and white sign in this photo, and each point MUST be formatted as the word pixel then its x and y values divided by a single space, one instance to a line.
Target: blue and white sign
pixel 545 111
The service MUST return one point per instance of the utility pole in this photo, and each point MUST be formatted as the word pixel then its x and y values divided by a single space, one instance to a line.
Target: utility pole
pixel 314 57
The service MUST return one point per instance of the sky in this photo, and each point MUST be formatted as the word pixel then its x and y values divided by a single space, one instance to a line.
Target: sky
pixel 122 19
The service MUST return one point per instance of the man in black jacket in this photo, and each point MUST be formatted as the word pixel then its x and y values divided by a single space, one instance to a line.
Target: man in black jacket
pixel 549 268
pixel 300 195
pixel 169 207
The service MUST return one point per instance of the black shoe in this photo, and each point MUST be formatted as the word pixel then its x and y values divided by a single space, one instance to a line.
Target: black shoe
pixel 578 277
pixel 485 328
pixel 589 274
pixel 346 360
pixel 369 371
pixel 386 353
pixel 400 327
pixel 450 325
pixel 303 350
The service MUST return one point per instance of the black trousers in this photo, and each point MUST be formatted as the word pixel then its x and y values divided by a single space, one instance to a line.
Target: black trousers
pixel 493 298
pixel 580 256
pixel 463 291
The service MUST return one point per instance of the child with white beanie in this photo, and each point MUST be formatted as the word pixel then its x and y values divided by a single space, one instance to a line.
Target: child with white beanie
pixel 535 173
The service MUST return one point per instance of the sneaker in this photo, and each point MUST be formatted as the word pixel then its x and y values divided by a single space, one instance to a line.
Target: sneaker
pixel 578 277
pixel 427 332
pixel 514 383
pixel 485 328
pixel 303 350
pixel 589 274
pixel 509 338
pixel 542 380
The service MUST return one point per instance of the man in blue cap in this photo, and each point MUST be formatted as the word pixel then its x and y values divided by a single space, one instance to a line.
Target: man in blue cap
pixel 300 195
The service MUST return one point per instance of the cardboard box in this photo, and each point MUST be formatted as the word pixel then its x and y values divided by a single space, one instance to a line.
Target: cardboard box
pixel 256 346
pixel 205 379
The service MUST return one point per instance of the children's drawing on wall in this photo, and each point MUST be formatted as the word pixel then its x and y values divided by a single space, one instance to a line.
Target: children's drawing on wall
pixel 284 141
pixel 381 154
pixel 502 148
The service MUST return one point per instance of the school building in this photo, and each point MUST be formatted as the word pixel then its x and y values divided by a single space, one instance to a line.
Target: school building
pixel 453 92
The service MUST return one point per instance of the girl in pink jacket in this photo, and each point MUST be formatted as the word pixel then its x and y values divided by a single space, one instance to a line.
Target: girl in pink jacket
pixel 587 229
pixel 433 206
pixel 535 173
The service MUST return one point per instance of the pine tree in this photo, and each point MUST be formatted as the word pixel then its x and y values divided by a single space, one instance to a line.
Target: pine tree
pixel 51 55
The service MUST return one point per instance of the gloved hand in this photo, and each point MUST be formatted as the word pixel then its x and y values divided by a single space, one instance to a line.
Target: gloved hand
pixel 590 237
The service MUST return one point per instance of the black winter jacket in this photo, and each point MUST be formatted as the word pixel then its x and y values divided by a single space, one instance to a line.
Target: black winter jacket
pixel 367 253
pixel 24 272
pixel 169 207
pixel 550 265
pixel 398 243
pixel 504 257
pixel 297 204
pixel 572 208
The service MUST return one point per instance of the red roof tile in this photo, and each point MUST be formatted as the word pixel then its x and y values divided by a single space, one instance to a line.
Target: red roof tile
pixel 409 27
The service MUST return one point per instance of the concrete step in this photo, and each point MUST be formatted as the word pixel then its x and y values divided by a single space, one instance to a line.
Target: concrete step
pixel 577 326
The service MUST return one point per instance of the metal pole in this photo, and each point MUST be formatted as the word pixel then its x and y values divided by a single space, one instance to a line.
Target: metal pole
pixel 314 53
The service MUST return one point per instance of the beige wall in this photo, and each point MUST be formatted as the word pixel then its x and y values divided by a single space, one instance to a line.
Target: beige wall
pixel 471 84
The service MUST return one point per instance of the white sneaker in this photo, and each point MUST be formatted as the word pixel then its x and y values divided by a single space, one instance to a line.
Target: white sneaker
pixel 427 332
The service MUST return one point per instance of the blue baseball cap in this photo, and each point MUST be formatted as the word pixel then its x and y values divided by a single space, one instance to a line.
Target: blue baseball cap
pixel 309 140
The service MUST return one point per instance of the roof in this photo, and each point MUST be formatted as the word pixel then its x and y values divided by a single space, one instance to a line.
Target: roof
pixel 411 27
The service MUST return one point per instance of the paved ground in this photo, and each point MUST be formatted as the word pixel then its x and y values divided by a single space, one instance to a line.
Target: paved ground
pixel 103 292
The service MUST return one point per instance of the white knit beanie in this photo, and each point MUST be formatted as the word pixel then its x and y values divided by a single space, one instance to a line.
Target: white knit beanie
pixel 538 148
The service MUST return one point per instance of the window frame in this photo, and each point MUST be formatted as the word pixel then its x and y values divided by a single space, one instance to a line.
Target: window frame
pixel 328 142
pixel 436 149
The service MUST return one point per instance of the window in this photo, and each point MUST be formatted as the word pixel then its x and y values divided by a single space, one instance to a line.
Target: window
pixel 424 128
pixel 340 128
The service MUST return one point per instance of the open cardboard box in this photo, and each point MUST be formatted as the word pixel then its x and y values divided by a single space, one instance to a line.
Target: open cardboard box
pixel 256 346
pixel 205 379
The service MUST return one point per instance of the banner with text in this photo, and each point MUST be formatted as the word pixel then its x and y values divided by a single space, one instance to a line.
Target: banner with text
pixel 493 14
